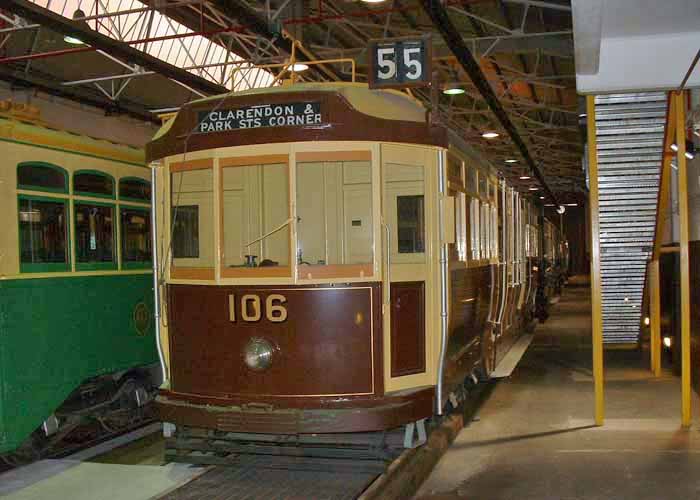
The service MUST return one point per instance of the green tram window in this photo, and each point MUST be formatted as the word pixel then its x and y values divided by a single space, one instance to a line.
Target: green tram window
pixel 93 183
pixel 43 235
pixel 94 235
pixel 136 238
pixel 41 176
pixel 134 189
pixel 410 211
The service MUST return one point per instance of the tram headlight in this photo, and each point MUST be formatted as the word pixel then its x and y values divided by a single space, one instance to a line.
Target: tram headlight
pixel 258 353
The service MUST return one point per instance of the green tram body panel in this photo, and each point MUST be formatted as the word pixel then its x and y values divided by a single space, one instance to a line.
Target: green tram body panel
pixel 57 332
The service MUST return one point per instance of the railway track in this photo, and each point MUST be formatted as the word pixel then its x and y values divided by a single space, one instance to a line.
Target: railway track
pixel 286 468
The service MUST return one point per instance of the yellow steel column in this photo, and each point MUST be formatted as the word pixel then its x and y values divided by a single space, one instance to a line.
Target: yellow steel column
pixel 685 263
pixel 597 314
pixel 655 314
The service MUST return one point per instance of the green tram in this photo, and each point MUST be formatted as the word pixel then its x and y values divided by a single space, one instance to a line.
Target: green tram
pixel 76 288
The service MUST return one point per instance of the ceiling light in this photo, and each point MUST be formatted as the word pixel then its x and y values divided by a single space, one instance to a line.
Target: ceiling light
pixel 534 189
pixel 453 91
pixel 674 147
pixel 571 204
pixel 511 160
pixel 490 135
pixel 549 204
pixel 373 1
pixel 541 197
pixel 688 154
pixel 524 177
pixel 78 17
pixel 299 67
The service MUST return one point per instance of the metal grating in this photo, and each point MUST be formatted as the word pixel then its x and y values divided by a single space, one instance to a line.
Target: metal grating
pixel 630 135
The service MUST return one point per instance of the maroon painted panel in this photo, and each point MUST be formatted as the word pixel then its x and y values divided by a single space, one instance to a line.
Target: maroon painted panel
pixel 407 328
pixel 328 345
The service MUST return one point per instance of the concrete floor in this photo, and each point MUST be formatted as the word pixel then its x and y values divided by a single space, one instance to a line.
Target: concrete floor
pixel 534 436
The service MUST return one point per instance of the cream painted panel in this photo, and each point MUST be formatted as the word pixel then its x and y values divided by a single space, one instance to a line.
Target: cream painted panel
pixel 275 212
pixel 395 172
pixel 357 172
pixel 232 178
pixel 234 217
pixel 191 181
pixel 334 213
pixel 311 226
pixel 357 204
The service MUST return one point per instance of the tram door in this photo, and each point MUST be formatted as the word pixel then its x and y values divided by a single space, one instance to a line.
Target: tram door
pixel 406 278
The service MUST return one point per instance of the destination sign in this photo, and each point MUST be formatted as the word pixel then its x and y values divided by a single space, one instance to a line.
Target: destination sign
pixel 264 115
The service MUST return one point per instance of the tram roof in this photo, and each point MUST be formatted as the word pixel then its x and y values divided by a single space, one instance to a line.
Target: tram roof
pixel 385 104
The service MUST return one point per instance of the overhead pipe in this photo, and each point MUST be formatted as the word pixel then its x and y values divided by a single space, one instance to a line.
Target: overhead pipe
pixel 437 13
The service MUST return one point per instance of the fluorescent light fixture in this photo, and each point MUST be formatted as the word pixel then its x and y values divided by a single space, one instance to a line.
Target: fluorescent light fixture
pixel 674 147
pixel 571 204
pixel 373 1
pixel 688 154
pixel 549 204
pixel 534 189
pixel 299 67
pixel 72 40
pixel 541 197
pixel 524 177
pixel 511 160
pixel 490 135
pixel 453 90
pixel 667 342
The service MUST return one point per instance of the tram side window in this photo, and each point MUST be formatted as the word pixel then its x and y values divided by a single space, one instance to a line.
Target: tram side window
pixel 185 221
pixel 334 213
pixel 93 184
pixel 136 237
pixel 43 233
pixel 39 176
pixel 94 235
pixel 411 223
pixel 256 215
pixel 192 218
pixel 132 188
pixel 475 228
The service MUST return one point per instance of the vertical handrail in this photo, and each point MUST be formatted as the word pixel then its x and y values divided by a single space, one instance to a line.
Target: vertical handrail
pixel 443 281
pixel 596 284
pixel 156 281
pixel 387 264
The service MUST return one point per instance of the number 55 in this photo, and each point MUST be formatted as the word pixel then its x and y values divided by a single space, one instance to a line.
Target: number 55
pixel 415 65
pixel 386 64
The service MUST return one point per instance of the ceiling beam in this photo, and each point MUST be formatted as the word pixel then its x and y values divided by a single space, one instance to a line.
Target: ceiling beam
pixel 437 13
pixel 65 26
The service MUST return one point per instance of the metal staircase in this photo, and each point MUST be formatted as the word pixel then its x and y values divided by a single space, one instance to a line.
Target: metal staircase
pixel 629 135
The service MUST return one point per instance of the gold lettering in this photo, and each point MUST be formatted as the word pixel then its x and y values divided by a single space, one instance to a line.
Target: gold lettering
pixel 255 301
pixel 276 312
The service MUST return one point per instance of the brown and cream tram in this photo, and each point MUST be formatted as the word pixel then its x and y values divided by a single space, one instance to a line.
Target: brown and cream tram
pixel 331 262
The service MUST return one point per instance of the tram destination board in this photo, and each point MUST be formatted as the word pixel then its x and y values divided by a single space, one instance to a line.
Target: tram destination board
pixel 400 62
pixel 294 114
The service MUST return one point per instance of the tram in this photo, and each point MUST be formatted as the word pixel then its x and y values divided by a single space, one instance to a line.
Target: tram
pixel 78 357
pixel 332 262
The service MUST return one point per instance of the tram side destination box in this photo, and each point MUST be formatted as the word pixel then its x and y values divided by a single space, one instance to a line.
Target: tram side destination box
pixel 400 62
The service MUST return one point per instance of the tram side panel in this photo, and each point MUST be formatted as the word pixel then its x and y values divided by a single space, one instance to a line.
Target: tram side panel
pixel 66 315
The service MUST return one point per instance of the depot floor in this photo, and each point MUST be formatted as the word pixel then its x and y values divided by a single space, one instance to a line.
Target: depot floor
pixel 534 436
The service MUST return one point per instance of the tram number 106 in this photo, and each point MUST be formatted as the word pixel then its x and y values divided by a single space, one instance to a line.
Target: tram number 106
pixel 399 62
pixel 251 308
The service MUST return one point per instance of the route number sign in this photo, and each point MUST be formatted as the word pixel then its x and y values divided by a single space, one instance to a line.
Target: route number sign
pixel 399 63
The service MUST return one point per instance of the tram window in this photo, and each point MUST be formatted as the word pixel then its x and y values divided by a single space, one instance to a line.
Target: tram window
pixel 131 188
pixel 136 237
pixel 41 176
pixel 483 186
pixel 94 235
pixel 484 236
pixel 192 218
pixel 334 213
pixel 93 184
pixel 410 211
pixel 454 170
pixel 185 221
pixel 256 215
pixel 475 230
pixel 461 226
pixel 472 180
pixel 43 233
